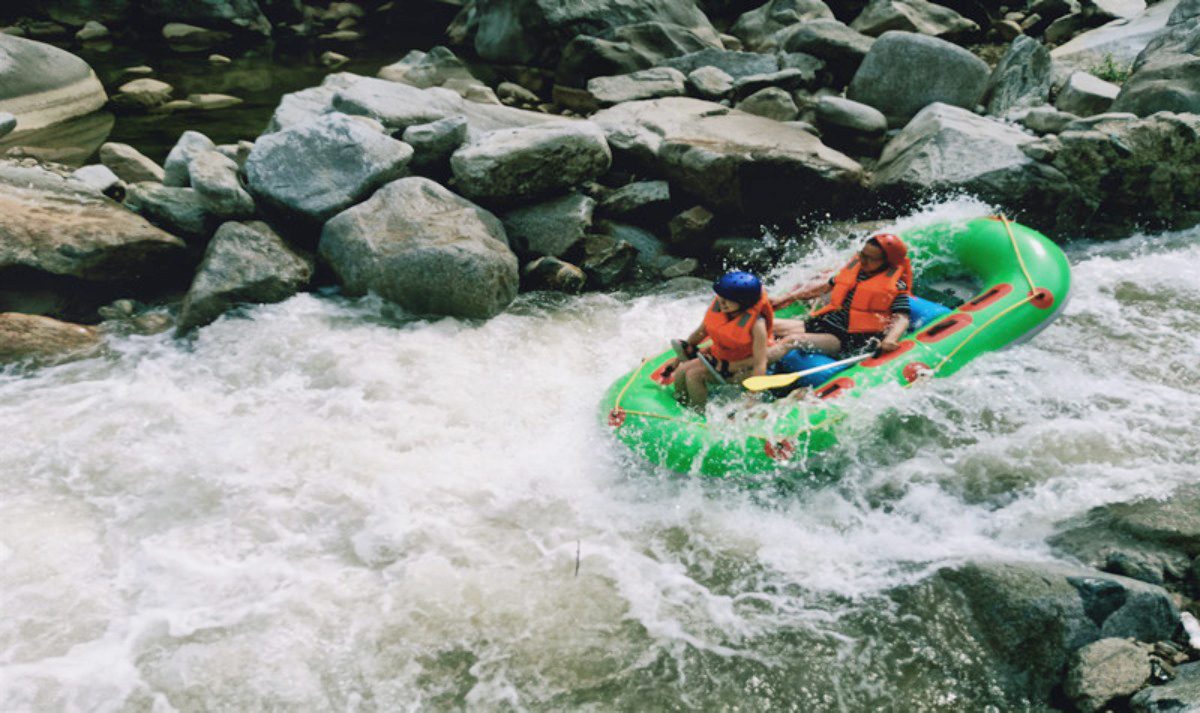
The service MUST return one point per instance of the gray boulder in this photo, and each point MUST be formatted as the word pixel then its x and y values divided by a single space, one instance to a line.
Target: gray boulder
pixel 625 49
pixel 433 143
pixel 244 262
pixel 772 103
pixel 1021 79
pixel 175 167
pixel 730 159
pixel 427 69
pixel 842 48
pixel 550 273
pixel 709 82
pixel 735 64
pixel 850 126
pixel 101 178
pixel 1085 95
pixel 517 165
pixel 44 85
pixel 1105 672
pixel 216 180
pixel 1181 695
pixel 180 211
pixel 428 250
pixel 63 227
pixel 919 16
pixel 905 72
pixel 1029 618
pixel 130 165
pixel 236 15
pixel 946 148
pixel 317 169
pixel 8 122
pixel 531 32
pixel 1148 175
pixel 550 228
pixel 1046 120
pixel 1166 75
pixel 757 29
pixel 641 201
pixel 1117 43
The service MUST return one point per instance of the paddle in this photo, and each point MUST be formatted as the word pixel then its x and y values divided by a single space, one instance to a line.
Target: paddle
pixel 777 381
pixel 681 353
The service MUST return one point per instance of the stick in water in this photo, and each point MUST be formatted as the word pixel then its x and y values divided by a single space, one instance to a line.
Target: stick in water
pixel 777 381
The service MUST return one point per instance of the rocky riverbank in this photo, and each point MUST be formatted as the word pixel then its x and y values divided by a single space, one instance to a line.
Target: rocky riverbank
pixel 594 145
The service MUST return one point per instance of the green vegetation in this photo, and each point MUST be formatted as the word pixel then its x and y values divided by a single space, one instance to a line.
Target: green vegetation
pixel 1110 71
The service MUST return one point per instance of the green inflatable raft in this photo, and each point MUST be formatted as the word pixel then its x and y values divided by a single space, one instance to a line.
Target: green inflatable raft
pixel 1023 281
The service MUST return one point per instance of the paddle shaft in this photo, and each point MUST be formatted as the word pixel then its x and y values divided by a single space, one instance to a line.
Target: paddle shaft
pixel 776 381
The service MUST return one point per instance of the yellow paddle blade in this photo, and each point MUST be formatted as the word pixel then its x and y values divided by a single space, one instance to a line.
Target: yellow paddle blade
pixel 770 381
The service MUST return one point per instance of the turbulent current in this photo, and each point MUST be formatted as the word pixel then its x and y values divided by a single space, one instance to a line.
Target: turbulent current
pixel 326 504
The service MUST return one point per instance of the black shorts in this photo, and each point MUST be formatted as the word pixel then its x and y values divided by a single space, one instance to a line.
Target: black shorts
pixel 851 342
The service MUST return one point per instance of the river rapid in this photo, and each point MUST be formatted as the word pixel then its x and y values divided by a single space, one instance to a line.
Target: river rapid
pixel 327 504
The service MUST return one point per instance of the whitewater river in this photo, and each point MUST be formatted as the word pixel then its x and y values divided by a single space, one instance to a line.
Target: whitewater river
pixel 325 504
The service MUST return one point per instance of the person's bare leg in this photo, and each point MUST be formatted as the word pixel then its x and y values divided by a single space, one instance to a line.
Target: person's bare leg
pixel 697 387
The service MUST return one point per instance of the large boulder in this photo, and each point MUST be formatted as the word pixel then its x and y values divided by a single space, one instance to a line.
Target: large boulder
pixel 1029 618
pixel 946 148
pixel 550 228
pixel 920 16
pixel 38 339
pixel 317 169
pixel 130 165
pixel 244 262
pixel 428 250
pixel 625 49
pixel 729 159
pixel 1127 172
pixel 532 32
pixel 180 211
pixel 1181 695
pixel 1021 79
pixel 735 64
pixel 905 72
pixel 64 227
pixel 757 29
pixel 1166 76
pixel 41 85
pixel 1117 43
pixel 842 48
pixel 215 178
pixel 518 165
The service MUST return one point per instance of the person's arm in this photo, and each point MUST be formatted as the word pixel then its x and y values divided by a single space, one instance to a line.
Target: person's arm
pixel 758 336
pixel 804 292
pixel 693 341
pixel 891 338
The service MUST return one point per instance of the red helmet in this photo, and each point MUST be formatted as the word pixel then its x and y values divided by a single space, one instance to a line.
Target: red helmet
pixel 893 247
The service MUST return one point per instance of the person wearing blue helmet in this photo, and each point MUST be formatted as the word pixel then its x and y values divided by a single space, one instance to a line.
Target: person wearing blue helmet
pixel 739 322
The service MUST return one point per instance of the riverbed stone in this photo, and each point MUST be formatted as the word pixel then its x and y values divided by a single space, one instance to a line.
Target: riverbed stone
pixel 552 227
pixel 729 159
pixel 709 83
pixel 44 85
pixel 926 18
pixel 244 262
pixel 905 72
pixel 215 178
pixel 1085 95
pixel 178 210
pixel 758 29
pixel 770 102
pixel 1021 79
pixel 421 246
pixel 1166 75
pixel 553 274
pixel 637 202
pixel 433 144
pixel 63 227
pixel 101 178
pixel 1106 671
pixel 234 15
pixel 175 168
pixel 510 166
pixel 842 48
pixel 645 84
pixel 317 169
pixel 41 340
pixel 735 64
pixel 1181 695
pixel 625 49
pixel 8 122
pixel 130 165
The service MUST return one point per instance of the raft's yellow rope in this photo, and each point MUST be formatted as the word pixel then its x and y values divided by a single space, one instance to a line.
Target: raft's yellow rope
pixel 1017 250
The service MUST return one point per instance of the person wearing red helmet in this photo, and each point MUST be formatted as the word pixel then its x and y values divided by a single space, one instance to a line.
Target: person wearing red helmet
pixel 869 304
pixel 739 322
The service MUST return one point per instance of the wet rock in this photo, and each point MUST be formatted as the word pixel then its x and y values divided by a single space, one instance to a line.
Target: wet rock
pixel 1085 95
pixel 434 143
pixel 623 50
pixel 692 227
pixel 550 273
pixel 551 228
pixel 188 38
pixel 44 85
pixel 639 202
pixel 850 126
pixel 212 102
pixel 419 245
pixel 317 169
pixel 786 79
pixel 735 64
pixel 427 69
pixel 709 83
pixel 842 48
pixel 130 165
pixel 243 16
pixel 772 103
pixel 512 165
pixel 1106 672
pixel 64 227
pixel 92 31
pixel 512 93
pixel 758 28
pixel 8 122
pixel 244 262
pixel 38 339
pixel 905 72
pixel 607 260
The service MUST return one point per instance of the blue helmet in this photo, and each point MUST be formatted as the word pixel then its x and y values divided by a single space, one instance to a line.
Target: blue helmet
pixel 741 287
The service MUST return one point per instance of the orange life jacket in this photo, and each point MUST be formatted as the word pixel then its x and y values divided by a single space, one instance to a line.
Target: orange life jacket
pixel 871 308
pixel 730 333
